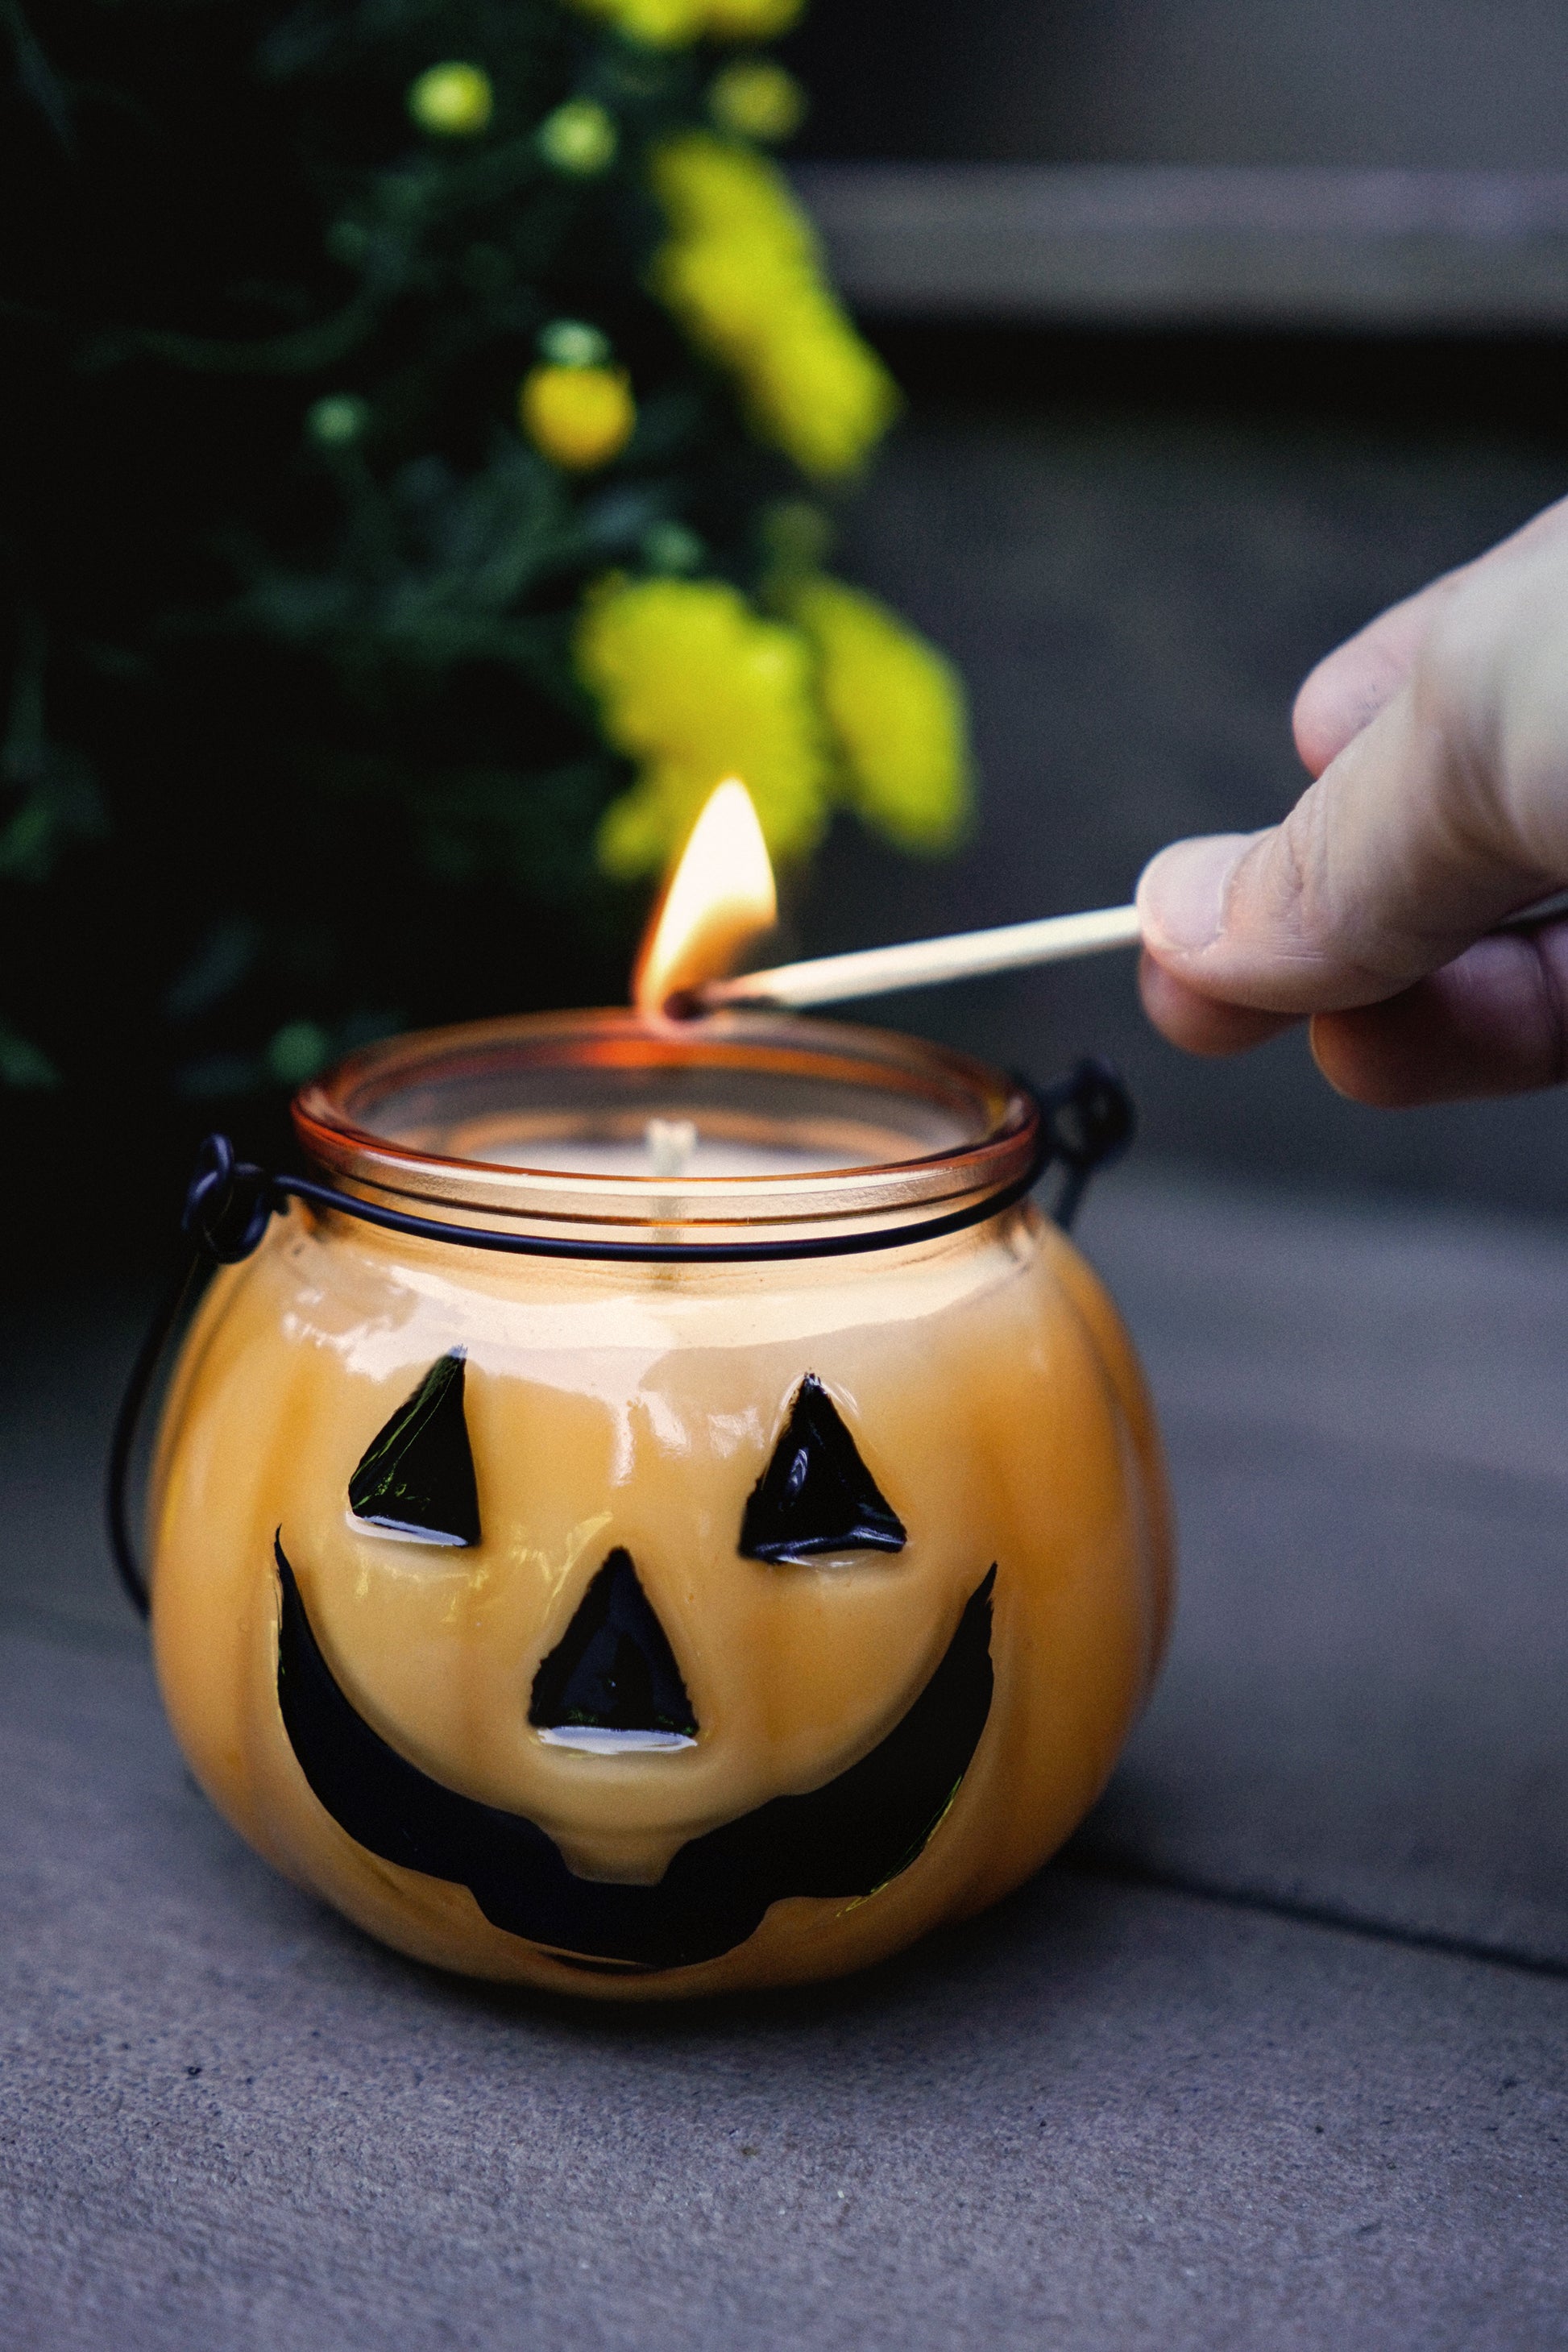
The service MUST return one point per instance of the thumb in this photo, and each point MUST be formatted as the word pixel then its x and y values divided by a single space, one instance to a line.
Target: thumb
pixel 1449 811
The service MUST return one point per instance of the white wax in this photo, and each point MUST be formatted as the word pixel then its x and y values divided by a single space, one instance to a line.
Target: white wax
pixel 660 1157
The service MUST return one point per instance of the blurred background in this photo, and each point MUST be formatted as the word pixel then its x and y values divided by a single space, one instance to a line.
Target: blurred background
pixel 1224 324
pixel 1221 325
pixel 1424 84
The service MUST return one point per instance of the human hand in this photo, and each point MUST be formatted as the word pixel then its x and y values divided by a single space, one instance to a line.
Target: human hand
pixel 1438 739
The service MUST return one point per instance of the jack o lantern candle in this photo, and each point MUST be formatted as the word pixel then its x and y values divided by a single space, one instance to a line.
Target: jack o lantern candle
pixel 674 1518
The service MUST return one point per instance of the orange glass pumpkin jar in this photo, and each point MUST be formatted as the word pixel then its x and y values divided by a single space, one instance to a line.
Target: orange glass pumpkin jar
pixel 725 1539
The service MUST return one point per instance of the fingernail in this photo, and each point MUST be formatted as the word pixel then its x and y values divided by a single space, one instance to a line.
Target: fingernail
pixel 1181 897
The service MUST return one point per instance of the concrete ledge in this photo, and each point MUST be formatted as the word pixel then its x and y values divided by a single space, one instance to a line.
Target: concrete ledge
pixel 1198 246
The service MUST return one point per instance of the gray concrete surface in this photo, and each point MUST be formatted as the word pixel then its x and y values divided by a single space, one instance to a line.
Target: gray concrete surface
pixel 1364 1709
pixel 1277 2054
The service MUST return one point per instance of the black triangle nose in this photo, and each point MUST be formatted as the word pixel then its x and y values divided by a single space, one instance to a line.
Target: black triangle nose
pixel 613 1669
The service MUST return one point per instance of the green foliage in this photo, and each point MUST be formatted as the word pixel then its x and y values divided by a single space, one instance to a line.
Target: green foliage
pixel 296 745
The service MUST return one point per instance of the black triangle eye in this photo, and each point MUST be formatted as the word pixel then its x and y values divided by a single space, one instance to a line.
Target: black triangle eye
pixel 417 1477
pixel 817 1495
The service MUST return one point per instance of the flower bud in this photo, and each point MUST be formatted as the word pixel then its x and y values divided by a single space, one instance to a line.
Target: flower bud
pixel 579 139
pixel 572 342
pixel 452 101
pixel 579 417
pixel 754 99
pixel 332 423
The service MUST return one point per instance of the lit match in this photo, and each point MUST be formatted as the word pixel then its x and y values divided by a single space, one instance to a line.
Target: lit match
pixel 720 899
pixel 919 963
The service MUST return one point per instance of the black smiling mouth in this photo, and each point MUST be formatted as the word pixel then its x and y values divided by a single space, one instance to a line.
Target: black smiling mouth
pixel 845 1839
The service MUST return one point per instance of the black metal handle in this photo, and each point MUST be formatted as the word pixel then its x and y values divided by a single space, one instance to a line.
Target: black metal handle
pixel 1086 1121
pixel 228 1207
pixel 1092 1122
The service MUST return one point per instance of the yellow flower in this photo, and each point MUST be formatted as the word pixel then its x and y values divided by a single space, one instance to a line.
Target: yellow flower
pixel 740 272
pixel 672 24
pixel 697 685
pixel 755 99
pixel 657 24
pixel 580 418
pixel 452 101
pixel 819 392
pixel 896 707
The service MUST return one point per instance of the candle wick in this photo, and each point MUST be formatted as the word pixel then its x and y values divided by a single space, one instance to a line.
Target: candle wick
pixel 671 1144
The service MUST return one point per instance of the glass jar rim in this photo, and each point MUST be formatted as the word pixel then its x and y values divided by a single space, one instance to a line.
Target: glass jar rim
pixel 381 1122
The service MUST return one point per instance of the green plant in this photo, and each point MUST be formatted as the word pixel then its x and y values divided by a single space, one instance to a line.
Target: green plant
pixel 375 364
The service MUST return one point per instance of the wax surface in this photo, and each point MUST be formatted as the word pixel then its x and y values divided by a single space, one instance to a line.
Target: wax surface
pixel 709 1156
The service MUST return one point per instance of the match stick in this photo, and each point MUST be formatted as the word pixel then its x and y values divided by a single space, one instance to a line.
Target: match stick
pixel 918 964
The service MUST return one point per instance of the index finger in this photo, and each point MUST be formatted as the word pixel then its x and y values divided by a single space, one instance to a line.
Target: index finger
pixel 1359 679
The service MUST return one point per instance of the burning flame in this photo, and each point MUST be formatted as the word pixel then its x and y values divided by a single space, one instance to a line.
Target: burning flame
pixel 719 895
